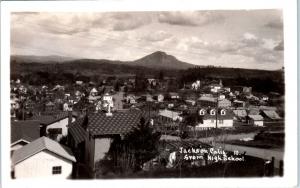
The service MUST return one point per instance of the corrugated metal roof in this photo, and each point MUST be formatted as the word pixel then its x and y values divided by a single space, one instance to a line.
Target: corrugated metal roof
pixel 271 114
pixel 39 145
pixel 169 114
pixel 256 117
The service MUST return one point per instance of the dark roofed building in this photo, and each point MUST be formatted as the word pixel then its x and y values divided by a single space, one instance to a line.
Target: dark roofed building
pixel 23 132
pixel 55 125
pixel 90 137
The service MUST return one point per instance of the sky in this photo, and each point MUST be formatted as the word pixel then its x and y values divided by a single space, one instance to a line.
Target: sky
pixel 228 38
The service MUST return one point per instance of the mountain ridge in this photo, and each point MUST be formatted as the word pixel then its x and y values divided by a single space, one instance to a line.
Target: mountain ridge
pixel 156 60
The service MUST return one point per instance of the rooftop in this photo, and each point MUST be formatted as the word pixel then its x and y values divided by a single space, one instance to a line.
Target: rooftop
pixel 41 144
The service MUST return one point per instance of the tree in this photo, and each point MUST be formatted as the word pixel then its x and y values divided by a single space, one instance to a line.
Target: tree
pixel 144 142
pixel 129 154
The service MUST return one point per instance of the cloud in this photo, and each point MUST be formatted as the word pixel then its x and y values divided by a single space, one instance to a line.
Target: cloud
pixel 190 18
pixel 157 36
pixel 129 21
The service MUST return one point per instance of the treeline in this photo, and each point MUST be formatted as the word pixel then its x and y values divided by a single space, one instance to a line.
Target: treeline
pixel 87 70
pixel 260 80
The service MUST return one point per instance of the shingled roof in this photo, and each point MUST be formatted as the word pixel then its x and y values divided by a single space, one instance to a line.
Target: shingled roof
pixel 118 123
pixel 100 124
pixel 24 130
pixel 39 145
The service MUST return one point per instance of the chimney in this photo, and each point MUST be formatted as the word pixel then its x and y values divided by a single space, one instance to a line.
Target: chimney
pixel 108 111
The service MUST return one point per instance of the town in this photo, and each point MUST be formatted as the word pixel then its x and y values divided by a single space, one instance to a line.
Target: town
pixel 137 126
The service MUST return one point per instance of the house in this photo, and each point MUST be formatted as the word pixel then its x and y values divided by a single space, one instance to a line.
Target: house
pixel 159 97
pixel 23 132
pixel 270 115
pixel 240 114
pixel 174 95
pixel 257 120
pixel 212 118
pixel 190 102
pixel 93 99
pixel 94 92
pixel 207 101
pixel 238 103
pixel 55 126
pixel 107 100
pixel 131 99
pixel 169 115
pixel 79 82
pixel 50 106
pixel 224 103
pixel 196 85
pixel 43 158
pixel 247 90
pixel 93 135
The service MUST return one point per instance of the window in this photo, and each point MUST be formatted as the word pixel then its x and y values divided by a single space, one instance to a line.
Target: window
pixel 223 112
pixel 201 112
pixel 213 112
pixel 56 170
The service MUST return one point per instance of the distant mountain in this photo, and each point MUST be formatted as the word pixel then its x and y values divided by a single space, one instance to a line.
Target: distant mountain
pixel 40 59
pixel 156 60
pixel 161 60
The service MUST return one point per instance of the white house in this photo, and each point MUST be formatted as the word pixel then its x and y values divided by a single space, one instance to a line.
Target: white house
pixel 257 120
pixel 169 115
pixel 56 125
pixel 94 92
pixel 222 118
pixel 196 85
pixel 108 100
pixel 43 158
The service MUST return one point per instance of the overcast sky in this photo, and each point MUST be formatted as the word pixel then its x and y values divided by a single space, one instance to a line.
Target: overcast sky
pixel 236 38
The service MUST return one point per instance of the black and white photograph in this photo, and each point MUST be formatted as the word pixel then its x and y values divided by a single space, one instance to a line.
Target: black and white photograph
pixel 136 95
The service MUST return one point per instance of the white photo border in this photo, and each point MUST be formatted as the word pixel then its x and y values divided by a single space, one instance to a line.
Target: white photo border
pixel 290 64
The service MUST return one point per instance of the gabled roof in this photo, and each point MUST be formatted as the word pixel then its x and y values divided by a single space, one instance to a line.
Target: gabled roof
pixel 240 113
pixel 228 114
pixel 118 123
pixel 169 114
pixel 271 114
pixel 49 119
pixel 256 117
pixel 39 145
pixel 24 130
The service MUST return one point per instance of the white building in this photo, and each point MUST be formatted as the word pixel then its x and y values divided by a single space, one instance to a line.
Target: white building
pixel 196 85
pixel 257 120
pixel 56 125
pixel 43 158
pixel 211 118
pixel 108 100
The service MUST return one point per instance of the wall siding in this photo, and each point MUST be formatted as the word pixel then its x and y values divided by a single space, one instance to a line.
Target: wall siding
pixel 209 124
pixel 40 165
pixel 60 124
